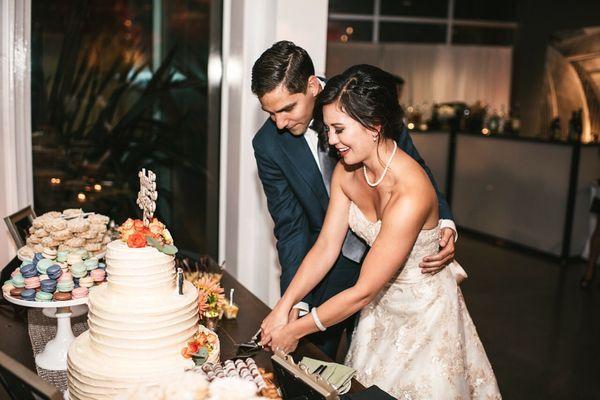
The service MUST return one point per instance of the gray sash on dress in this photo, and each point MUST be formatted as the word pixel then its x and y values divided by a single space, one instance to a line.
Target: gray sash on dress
pixel 353 248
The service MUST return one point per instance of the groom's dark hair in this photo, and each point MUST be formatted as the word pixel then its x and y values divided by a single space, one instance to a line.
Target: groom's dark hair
pixel 283 63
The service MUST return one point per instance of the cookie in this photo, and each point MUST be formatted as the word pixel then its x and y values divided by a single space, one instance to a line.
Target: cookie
pixel 61 296
pixel 56 224
pixel 49 242
pixel 78 225
pixel 61 235
pixel 98 219
pixel 75 242
pixel 72 212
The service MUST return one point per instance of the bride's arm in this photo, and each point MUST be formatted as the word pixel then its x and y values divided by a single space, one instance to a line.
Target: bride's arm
pixel 319 259
pixel 404 219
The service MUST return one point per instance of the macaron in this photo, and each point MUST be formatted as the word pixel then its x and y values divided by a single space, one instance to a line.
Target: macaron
pixel 54 271
pixel 101 265
pixel 66 276
pixel 48 285
pixel 98 275
pixel 49 253
pixel 78 270
pixel 16 292
pixel 28 270
pixel 43 265
pixel 65 286
pixel 18 281
pixel 79 293
pixel 32 283
pixel 7 287
pixel 42 296
pixel 36 257
pixel 91 263
pixel 15 272
pixel 60 296
pixel 43 276
pixel 74 258
pixel 83 253
pixel 61 256
pixel 86 281
pixel 28 294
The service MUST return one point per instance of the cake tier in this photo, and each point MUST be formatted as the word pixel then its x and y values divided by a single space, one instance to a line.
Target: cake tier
pixel 94 376
pixel 134 328
pixel 138 271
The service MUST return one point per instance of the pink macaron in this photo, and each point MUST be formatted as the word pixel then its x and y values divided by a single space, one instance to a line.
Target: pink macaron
pixel 79 292
pixel 98 275
pixel 32 283
pixel 66 276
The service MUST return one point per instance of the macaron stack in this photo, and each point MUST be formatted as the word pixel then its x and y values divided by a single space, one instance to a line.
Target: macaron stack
pixel 55 275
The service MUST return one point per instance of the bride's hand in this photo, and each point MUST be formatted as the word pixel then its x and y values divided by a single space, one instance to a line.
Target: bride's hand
pixel 283 340
pixel 276 319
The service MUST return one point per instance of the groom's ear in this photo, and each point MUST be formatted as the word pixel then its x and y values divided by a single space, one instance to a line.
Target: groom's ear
pixel 313 87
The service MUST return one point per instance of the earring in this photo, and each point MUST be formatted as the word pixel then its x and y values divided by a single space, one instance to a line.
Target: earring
pixel 375 138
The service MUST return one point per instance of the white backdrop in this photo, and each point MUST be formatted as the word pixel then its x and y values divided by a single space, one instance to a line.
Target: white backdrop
pixel 16 187
pixel 246 238
pixel 435 73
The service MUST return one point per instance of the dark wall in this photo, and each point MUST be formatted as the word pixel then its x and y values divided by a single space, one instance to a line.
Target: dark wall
pixel 538 19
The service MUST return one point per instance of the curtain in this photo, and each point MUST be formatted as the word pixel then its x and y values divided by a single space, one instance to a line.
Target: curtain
pixel 435 73
pixel 16 181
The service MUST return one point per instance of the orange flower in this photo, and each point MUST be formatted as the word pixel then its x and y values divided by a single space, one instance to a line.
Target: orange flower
pixel 136 240
pixel 156 227
pixel 127 225
pixel 202 304
pixel 138 224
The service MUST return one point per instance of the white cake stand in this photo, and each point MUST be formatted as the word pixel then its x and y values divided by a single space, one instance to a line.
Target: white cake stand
pixel 54 356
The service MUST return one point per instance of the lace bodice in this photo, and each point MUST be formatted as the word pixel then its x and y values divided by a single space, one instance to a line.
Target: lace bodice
pixel 426 244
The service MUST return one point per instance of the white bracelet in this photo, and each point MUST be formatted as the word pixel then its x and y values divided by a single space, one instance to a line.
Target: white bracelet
pixel 313 312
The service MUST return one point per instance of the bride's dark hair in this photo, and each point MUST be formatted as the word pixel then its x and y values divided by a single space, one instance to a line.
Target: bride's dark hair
pixel 368 95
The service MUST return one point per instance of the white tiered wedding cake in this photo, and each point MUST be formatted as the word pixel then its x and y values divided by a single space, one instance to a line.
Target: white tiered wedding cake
pixel 138 321
pixel 138 325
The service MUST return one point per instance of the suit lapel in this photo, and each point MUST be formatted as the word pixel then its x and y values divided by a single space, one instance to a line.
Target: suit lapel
pixel 297 151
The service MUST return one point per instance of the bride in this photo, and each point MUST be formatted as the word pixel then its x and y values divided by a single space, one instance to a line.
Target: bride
pixel 414 338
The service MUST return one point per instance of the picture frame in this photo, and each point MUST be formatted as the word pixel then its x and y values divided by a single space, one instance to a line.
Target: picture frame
pixel 18 225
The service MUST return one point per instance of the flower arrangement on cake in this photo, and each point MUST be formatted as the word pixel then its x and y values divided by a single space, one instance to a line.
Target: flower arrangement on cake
pixel 137 235
pixel 203 347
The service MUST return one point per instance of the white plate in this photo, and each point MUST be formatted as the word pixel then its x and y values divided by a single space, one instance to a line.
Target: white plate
pixel 46 304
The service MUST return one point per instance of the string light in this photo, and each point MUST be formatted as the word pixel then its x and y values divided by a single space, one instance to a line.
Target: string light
pixel 97 187
pixel 411 125
pixel 485 131
pixel 55 181
pixel 344 38
pixel 81 197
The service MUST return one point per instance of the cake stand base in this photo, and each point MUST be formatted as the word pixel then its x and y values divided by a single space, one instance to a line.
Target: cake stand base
pixel 54 356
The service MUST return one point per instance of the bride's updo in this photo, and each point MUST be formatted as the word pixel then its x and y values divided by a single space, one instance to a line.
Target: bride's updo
pixel 368 95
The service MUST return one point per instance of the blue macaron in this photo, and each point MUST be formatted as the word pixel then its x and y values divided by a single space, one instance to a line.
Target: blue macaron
pixel 48 285
pixel 101 265
pixel 28 270
pixel 53 271
pixel 37 257
pixel 28 294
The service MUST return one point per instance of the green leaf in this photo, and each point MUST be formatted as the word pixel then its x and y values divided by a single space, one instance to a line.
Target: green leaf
pixel 169 249
pixel 200 357
pixel 154 243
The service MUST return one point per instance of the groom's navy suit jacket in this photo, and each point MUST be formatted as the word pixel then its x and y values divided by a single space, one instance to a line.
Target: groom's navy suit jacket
pixel 297 200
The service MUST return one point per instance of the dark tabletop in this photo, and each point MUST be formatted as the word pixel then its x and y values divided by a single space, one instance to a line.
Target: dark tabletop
pixel 14 339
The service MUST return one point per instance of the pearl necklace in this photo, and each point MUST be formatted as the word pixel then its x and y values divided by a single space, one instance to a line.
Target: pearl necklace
pixel 385 170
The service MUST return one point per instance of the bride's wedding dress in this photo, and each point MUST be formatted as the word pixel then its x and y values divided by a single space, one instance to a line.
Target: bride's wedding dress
pixel 416 339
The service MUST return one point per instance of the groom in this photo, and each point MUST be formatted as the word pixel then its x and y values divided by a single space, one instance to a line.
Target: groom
pixel 296 174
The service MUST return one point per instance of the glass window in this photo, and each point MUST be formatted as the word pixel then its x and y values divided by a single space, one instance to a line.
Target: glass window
pixel 485 10
pixel 118 86
pixel 351 6
pixel 412 33
pixel 349 31
pixel 415 8
pixel 483 36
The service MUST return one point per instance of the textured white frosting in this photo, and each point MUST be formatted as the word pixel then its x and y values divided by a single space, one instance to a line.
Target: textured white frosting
pixel 138 326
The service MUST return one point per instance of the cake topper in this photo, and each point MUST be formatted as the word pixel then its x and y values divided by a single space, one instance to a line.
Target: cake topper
pixel 180 280
pixel 147 195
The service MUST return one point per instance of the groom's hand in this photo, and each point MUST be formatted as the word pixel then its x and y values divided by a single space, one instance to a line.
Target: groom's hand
pixel 294 314
pixel 434 264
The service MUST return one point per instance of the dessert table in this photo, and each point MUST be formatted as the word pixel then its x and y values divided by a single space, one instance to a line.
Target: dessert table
pixel 15 342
